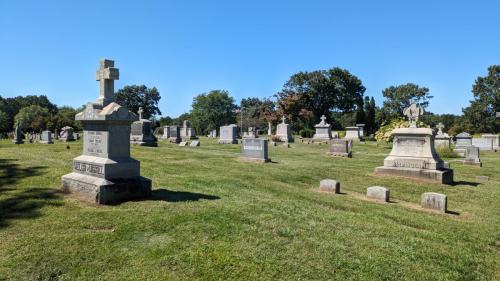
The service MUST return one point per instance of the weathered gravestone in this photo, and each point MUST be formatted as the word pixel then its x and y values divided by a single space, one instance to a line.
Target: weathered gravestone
pixel 434 201
pixel 175 134
pixel 255 150
pixel 352 133
pixel 484 144
pixel 46 137
pixel 378 193
pixel 251 133
pixel 166 132
pixel 212 134
pixel 142 132
pixel 283 131
pixel 105 173
pixel 361 129
pixel 464 140
pixel 472 156
pixel 195 143
pixel 67 134
pixel 495 139
pixel 187 133
pixel 442 140
pixel 18 136
pixel 329 185
pixel 228 134
pixel 341 147
pixel 413 154
pixel 323 130
pixel 183 143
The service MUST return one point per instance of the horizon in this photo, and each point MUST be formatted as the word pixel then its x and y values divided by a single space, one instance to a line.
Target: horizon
pixel 249 49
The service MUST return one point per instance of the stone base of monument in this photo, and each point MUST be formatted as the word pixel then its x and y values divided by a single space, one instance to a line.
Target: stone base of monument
pixel 460 151
pixel 46 142
pixel 254 160
pixel 228 141
pixel 102 191
pixel 472 162
pixel 340 154
pixel 444 176
pixel 144 143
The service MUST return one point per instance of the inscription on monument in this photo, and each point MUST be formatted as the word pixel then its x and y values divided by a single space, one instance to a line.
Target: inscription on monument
pixel 87 168
pixel 95 143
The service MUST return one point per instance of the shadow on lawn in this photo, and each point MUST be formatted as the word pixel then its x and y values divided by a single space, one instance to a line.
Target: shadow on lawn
pixel 20 203
pixel 469 183
pixel 179 196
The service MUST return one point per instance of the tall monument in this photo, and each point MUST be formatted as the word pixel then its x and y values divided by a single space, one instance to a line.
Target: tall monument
pixel 105 173
pixel 413 154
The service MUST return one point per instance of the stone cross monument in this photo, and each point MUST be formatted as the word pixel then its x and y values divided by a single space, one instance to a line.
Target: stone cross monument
pixel 440 127
pixel 140 111
pixel 105 173
pixel 413 112
pixel 323 130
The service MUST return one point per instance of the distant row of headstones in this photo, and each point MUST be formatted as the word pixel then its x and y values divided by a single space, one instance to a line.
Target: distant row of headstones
pixel 46 137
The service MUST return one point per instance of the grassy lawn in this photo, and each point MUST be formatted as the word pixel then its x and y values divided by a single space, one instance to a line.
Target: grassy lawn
pixel 214 217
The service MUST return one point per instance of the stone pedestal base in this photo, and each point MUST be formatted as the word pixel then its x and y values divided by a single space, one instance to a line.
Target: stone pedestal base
pixel 460 151
pixel 228 141
pixel 254 160
pixel 476 163
pixel 101 191
pixel 444 176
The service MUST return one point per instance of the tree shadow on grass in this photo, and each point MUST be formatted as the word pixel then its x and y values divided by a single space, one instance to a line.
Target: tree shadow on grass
pixel 179 196
pixel 18 203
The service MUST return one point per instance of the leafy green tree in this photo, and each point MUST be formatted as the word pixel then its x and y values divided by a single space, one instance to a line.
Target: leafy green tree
pixel 397 98
pixel 165 121
pixel 11 106
pixel 319 92
pixel 32 118
pixel 212 110
pixel 4 118
pixel 481 113
pixel 135 96
pixel 370 109
pixel 256 113
pixel 65 117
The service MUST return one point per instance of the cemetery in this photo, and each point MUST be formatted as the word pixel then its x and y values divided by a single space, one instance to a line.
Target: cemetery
pixel 240 144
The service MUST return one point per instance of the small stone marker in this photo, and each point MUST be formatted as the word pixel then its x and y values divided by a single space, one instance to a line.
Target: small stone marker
pixel 195 143
pixel 378 192
pixel 46 137
pixel 482 178
pixel 183 143
pixel 329 185
pixel 340 147
pixel 435 201
pixel 472 156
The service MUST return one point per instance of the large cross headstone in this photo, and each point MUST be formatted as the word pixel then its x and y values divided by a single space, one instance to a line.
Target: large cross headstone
pixel 106 74
pixel 440 127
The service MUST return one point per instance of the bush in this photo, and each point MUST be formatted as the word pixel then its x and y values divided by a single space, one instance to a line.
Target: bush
pixel 306 133
pixel 446 152
pixel 385 132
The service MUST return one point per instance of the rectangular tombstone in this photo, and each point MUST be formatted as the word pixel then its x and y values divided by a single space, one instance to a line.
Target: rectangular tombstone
pixel 329 185
pixel 485 144
pixel 46 137
pixel 352 133
pixel 434 201
pixel 340 147
pixel 166 132
pixel 175 134
pixel 378 193
pixel 195 143
pixel 472 156
pixel 228 134
pixel 255 150
pixel 495 139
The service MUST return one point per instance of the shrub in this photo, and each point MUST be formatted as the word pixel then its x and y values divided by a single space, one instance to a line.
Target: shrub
pixel 446 152
pixel 385 132
pixel 306 133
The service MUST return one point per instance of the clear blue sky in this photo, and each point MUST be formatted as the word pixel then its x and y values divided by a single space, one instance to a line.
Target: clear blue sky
pixel 247 47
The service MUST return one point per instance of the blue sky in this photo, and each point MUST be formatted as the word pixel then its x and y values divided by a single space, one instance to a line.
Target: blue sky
pixel 249 48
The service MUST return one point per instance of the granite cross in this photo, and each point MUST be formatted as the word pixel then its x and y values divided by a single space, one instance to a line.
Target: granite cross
pixel 106 74
pixel 140 111
pixel 323 119
pixel 283 119
pixel 440 127
pixel 413 112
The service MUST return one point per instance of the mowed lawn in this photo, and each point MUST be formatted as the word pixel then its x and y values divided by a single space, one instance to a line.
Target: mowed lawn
pixel 213 217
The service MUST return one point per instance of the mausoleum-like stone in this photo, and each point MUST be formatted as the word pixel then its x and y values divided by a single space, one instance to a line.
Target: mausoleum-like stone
pixel 105 173
pixel 323 130
pixel 434 201
pixel 228 134
pixel 142 132
pixel 464 140
pixel 378 193
pixel 495 139
pixel 329 185
pixel 352 133
pixel 413 154
pixel 283 131
pixel 254 150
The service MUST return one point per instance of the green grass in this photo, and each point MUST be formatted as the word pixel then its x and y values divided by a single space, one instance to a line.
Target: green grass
pixel 214 217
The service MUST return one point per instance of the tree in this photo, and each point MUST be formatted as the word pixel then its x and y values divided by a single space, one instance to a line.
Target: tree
pixel 212 110
pixel 481 113
pixel 320 92
pixel 4 118
pixel 370 109
pixel 32 118
pixel 11 106
pixel 65 117
pixel 397 98
pixel 256 112
pixel 135 96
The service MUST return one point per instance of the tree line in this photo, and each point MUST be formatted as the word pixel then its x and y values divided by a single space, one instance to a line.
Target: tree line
pixel 304 98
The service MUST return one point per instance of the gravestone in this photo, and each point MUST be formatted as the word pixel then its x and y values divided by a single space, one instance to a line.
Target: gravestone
pixel 482 178
pixel 361 130
pixel 195 143
pixel 442 140
pixel 413 154
pixel 472 156
pixel 166 132
pixel 335 134
pixel 67 134
pixel 494 138
pixel 323 130
pixel 46 137
pixel 105 173
pixel 18 136
pixel 434 201
pixel 464 140
pixel 341 147
pixel 283 131
pixel 142 132
pixel 352 133
pixel 269 129
pixel 187 133
pixel 251 133
pixel 255 150
pixel 228 134
pixel 484 144
pixel 175 134
pixel 183 143
pixel 378 193
pixel 329 185
pixel 212 134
